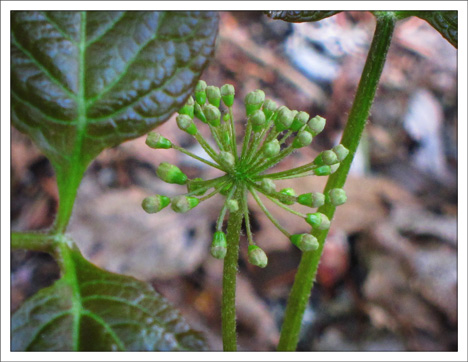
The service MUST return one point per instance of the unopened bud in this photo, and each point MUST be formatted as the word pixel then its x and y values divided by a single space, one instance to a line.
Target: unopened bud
pixel 155 140
pixel 318 221
pixel 200 92
pixel 184 203
pixel 336 197
pixel 253 101
pixel 305 242
pixel 258 120
pixel 227 94
pixel 171 174
pixel 288 196
pixel 257 256
pixel 269 108
pixel 214 95
pixel 316 125
pixel 185 123
pixel 268 185
pixel 232 205
pixel 227 158
pixel 284 119
pixel 329 157
pixel 299 121
pixel 302 139
pixel 188 108
pixel 213 115
pixel 198 112
pixel 311 199
pixel 155 203
pixel 272 148
pixel 322 170
pixel 341 152
pixel 219 245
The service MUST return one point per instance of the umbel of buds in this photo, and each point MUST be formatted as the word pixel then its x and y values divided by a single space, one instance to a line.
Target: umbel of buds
pixel 271 134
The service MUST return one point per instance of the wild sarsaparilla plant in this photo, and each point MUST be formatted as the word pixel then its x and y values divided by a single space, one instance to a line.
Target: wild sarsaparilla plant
pixel 271 134
pixel 84 81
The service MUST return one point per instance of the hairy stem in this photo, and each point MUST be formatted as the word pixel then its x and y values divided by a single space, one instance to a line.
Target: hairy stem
pixel 228 312
pixel 33 241
pixel 307 270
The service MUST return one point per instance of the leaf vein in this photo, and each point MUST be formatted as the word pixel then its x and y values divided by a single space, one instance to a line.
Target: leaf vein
pixel 43 68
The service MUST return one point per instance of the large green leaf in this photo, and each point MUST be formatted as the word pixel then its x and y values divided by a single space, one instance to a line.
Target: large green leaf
pixel 295 16
pixel 445 22
pixel 93 310
pixel 84 81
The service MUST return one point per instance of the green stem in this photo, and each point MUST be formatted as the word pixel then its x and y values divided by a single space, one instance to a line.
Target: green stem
pixel 33 241
pixel 365 94
pixel 228 308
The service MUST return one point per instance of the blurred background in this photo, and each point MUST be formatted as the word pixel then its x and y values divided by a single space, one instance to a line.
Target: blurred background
pixel 388 276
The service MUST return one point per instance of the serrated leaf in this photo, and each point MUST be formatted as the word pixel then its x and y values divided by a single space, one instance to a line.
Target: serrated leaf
pixel 294 16
pixel 94 310
pixel 445 22
pixel 84 81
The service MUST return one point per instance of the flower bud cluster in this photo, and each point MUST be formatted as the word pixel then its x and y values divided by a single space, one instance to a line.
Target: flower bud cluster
pixel 271 134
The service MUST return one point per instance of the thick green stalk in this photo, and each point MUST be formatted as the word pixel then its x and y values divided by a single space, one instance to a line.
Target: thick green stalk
pixel 308 266
pixel 228 308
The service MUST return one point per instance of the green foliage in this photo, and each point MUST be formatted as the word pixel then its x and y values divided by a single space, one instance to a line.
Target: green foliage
pixel 81 82
pixel 294 16
pixel 90 309
pixel 445 22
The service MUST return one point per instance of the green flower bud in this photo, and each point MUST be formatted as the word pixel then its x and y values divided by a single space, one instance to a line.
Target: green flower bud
pixel 200 92
pixel 196 186
pixel 269 108
pixel 318 221
pixel 305 242
pixel 329 157
pixel 334 167
pixel 214 95
pixel 171 174
pixel 302 139
pixel 188 107
pixel 311 199
pixel 155 140
pixel 227 158
pixel 213 115
pixel 232 205
pixel 316 125
pixel 341 152
pixel 336 197
pixel 253 101
pixel 258 120
pixel 219 245
pixel 290 196
pixel 272 148
pixel 284 119
pixel 184 203
pixel 155 203
pixel 268 185
pixel 227 94
pixel 257 256
pixel 186 124
pixel 299 121
pixel 322 170
pixel 198 111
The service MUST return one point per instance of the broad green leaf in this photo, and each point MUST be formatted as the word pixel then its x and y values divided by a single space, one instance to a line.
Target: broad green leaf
pixel 445 22
pixel 93 310
pixel 84 81
pixel 294 16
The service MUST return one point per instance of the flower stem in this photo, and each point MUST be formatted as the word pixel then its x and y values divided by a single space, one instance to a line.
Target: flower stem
pixel 365 94
pixel 228 308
